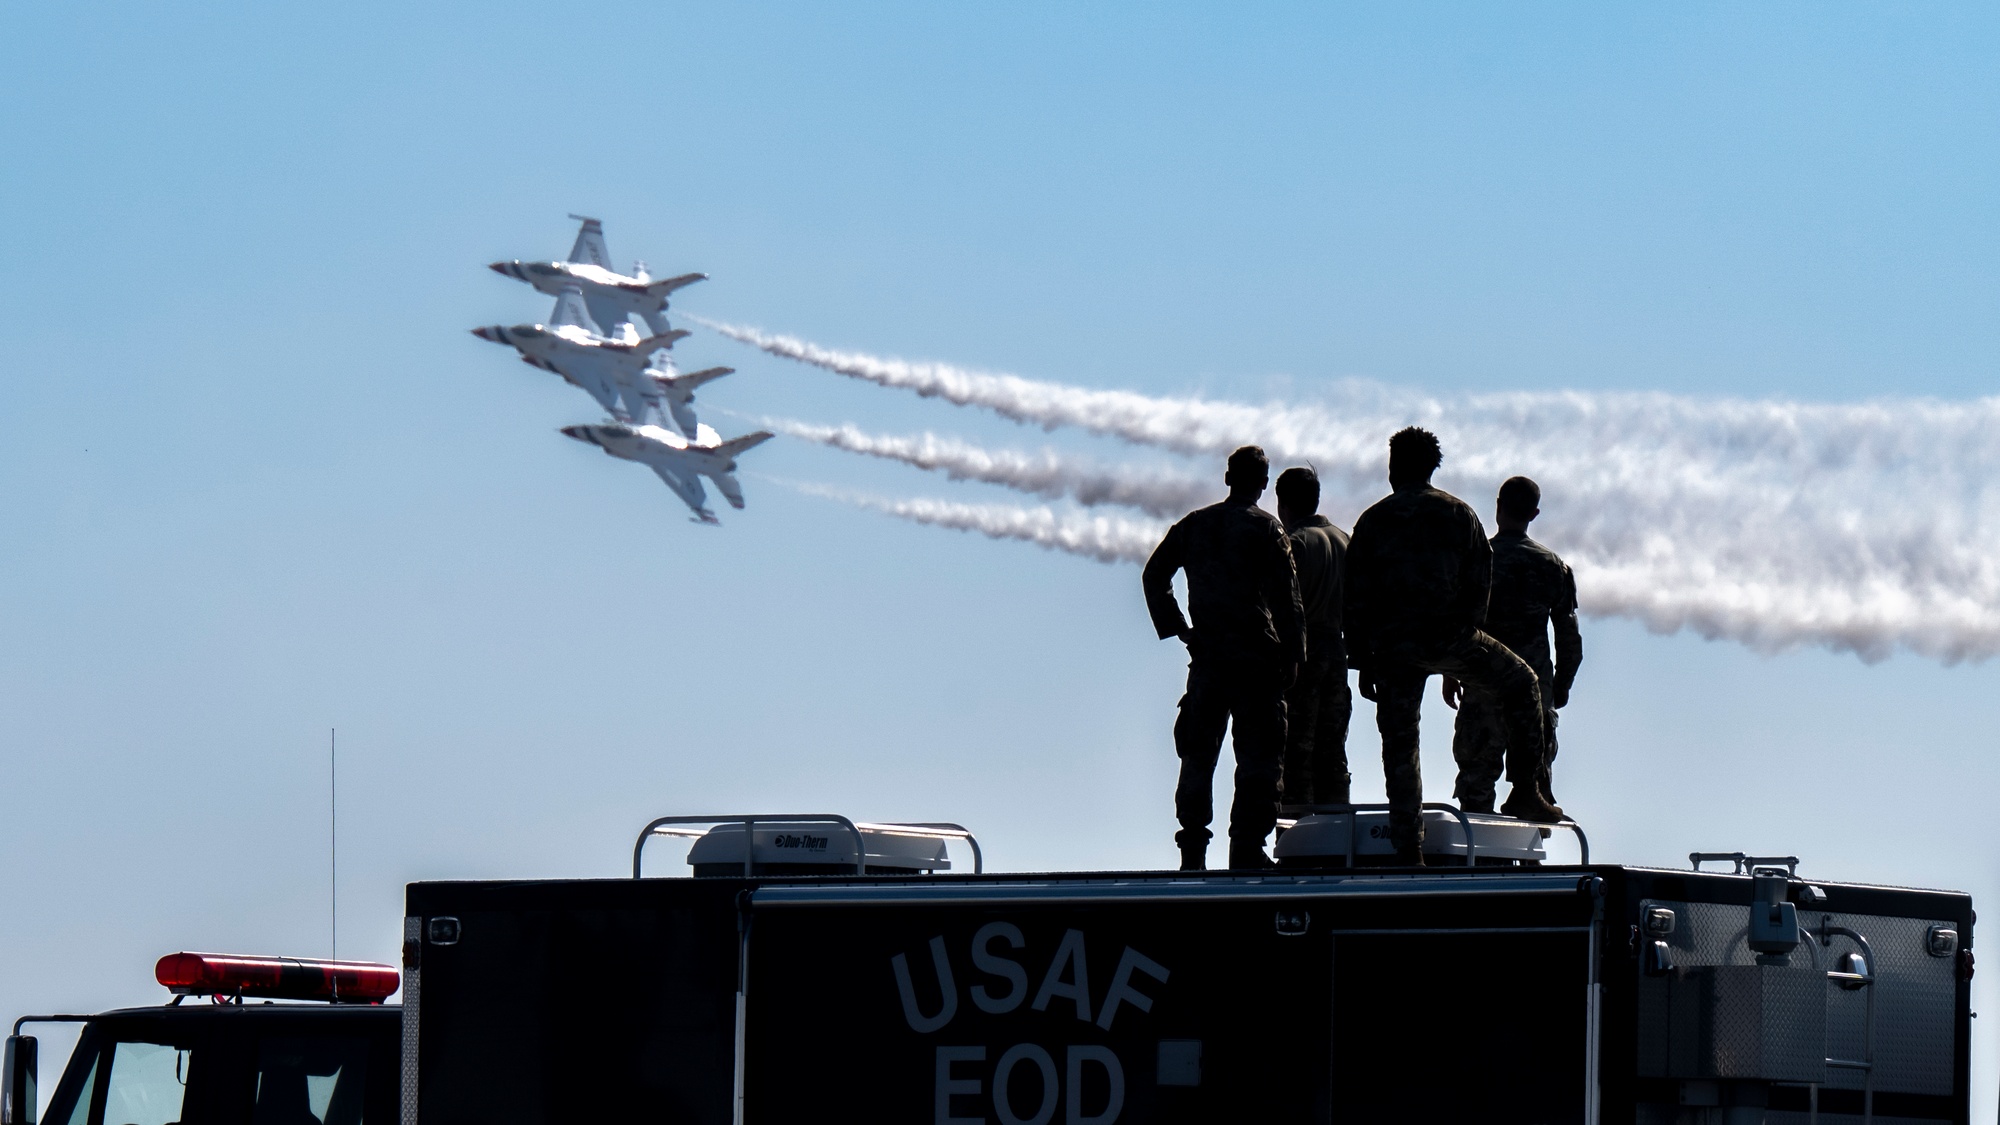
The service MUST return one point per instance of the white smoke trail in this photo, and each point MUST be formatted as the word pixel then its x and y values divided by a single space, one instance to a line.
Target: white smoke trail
pixel 1047 474
pixel 1860 527
pixel 1106 538
pixel 1182 425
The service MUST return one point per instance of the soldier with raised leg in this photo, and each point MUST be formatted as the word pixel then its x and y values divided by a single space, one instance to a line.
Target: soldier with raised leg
pixel 1419 569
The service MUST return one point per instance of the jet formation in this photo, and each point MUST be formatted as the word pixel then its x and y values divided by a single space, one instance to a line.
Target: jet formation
pixel 590 340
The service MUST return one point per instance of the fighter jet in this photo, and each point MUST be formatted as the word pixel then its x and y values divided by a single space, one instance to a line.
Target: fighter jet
pixel 675 391
pixel 680 462
pixel 614 372
pixel 611 296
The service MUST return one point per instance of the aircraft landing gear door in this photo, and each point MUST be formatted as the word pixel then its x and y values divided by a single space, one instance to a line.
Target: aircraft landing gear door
pixel 1462 1025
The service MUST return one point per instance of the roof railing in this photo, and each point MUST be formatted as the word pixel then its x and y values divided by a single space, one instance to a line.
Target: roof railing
pixel 1744 863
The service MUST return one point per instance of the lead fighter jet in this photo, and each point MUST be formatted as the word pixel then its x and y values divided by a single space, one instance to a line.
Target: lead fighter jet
pixel 614 372
pixel 680 462
pixel 611 296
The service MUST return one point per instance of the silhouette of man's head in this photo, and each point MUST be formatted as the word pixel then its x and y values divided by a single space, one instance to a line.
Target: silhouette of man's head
pixel 1298 493
pixel 1249 471
pixel 1413 456
pixel 1519 503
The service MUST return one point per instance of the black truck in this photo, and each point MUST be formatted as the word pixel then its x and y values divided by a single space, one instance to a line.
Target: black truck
pixel 819 970
pixel 814 969
pixel 278 1041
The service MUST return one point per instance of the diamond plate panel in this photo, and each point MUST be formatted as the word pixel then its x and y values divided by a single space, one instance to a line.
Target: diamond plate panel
pixel 1915 1005
pixel 412 991
pixel 1915 996
pixel 1734 1021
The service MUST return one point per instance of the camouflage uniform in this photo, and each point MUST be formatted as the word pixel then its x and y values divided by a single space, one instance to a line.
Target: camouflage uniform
pixel 1244 597
pixel 1532 588
pixel 1319 705
pixel 1418 572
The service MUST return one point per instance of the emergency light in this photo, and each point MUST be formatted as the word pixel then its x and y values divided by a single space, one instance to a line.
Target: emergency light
pixel 277 978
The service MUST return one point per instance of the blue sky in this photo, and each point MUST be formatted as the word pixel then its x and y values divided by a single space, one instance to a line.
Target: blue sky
pixel 260 481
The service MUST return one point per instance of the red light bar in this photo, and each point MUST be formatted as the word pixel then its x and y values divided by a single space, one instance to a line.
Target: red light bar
pixel 277 978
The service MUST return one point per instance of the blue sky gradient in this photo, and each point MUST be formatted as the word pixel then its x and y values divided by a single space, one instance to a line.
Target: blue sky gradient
pixel 260 481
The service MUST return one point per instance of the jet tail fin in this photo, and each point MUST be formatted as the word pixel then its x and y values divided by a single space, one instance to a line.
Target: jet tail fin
pixel 590 244
pixel 570 310
pixel 662 288
pixel 731 489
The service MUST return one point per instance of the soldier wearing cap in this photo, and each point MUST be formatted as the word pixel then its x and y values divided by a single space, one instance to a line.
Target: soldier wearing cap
pixel 1319 705
pixel 1532 590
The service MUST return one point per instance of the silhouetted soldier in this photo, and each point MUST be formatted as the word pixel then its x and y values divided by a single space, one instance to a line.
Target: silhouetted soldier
pixel 1243 652
pixel 1418 571
pixel 1532 589
pixel 1319 705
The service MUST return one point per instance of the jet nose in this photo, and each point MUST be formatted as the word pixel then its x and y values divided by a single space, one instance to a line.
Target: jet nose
pixel 577 432
pixel 498 267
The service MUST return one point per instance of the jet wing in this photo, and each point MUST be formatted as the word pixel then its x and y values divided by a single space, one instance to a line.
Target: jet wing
pixel 590 244
pixel 664 288
pixel 688 488
pixel 737 445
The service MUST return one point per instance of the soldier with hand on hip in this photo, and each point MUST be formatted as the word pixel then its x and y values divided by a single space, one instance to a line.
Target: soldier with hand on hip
pixel 1532 590
pixel 1319 705
pixel 1418 572
pixel 1244 649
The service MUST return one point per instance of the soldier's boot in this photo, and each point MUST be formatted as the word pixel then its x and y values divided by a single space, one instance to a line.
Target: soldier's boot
pixel 1248 856
pixel 1527 803
pixel 1408 841
pixel 1476 802
pixel 1194 857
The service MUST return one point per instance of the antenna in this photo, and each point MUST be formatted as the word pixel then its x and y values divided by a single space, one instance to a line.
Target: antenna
pixel 333 831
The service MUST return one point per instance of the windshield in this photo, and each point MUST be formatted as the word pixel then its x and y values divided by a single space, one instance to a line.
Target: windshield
pixel 131 1078
pixel 127 1083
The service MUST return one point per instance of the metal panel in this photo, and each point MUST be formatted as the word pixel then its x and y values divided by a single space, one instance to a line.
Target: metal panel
pixel 1765 1022
pixel 413 929
pixel 1915 1004
pixel 1734 1021
pixel 1915 998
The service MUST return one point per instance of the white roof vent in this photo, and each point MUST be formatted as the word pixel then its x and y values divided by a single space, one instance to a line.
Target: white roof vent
pixel 1358 835
pixel 809 844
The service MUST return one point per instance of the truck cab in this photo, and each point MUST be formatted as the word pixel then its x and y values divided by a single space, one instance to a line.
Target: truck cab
pixel 278 1041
